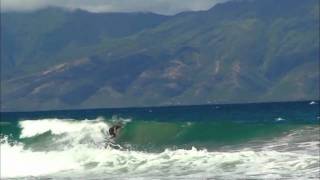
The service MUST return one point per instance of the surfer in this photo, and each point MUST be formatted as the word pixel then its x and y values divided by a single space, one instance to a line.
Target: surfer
pixel 114 130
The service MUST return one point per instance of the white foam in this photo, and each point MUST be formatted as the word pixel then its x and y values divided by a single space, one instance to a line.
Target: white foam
pixel 18 162
pixel 280 119
pixel 312 102
pixel 303 140
pixel 82 161
pixel 71 133
pixel 59 126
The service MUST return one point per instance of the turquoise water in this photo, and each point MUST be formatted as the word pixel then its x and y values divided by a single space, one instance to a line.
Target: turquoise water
pixel 270 140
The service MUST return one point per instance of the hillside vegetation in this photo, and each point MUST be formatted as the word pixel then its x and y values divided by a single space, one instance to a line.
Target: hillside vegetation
pixel 239 51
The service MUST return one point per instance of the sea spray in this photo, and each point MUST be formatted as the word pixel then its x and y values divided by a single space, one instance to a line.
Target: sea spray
pixel 83 161
pixel 167 143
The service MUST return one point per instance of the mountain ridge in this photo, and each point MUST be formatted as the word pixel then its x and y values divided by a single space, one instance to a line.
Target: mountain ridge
pixel 234 52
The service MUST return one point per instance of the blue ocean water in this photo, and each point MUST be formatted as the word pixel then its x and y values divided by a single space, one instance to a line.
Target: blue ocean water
pixel 232 141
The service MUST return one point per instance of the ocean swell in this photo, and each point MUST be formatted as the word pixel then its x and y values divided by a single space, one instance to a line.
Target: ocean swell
pixel 67 148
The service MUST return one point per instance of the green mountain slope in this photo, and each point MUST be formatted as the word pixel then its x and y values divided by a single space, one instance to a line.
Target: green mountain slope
pixel 37 40
pixel 239 51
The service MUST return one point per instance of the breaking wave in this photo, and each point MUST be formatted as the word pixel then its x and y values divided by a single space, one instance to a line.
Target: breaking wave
pixel 60 148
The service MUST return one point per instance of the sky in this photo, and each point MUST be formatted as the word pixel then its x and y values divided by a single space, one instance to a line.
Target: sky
pixel 167 7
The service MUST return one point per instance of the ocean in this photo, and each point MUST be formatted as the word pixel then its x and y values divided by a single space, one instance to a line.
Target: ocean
pixel 231 141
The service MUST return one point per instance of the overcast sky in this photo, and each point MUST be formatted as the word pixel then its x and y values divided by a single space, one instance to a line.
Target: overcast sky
pixel 157 6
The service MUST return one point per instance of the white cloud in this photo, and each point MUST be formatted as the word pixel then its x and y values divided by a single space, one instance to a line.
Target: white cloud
pixel 157 6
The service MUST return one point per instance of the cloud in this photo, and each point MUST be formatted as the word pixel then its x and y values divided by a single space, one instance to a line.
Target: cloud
pixel 156 6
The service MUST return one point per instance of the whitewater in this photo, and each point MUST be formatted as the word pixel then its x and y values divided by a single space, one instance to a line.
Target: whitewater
pixel 66 148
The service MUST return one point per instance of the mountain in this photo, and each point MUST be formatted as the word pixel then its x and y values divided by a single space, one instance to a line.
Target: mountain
pixel 239 51
pixel 40 39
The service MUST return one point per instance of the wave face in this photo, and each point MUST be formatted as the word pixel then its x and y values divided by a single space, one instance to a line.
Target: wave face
pixel 72 148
